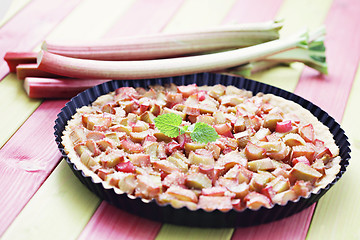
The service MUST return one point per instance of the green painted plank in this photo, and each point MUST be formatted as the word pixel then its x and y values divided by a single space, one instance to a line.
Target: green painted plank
pixel 62 203
pixel 172 232
pixel 194 15
pixel 337 215
pixel 16 106
pixel 298 16
pixel 191 16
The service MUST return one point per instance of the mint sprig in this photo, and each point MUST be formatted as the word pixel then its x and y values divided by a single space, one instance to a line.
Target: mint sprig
pixel 169 124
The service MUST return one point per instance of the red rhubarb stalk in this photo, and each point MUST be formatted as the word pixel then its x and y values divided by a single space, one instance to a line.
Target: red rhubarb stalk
pixel 31 70
pixel 57 88
pixel 15 58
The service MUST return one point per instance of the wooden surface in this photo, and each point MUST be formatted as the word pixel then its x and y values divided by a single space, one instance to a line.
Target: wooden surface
pixel 41 198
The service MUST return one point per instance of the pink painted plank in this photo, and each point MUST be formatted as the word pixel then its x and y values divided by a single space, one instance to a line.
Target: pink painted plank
pixel 110 222
pixel 245 11
pixel 343 47
pixel 294 227
pixel 41 16
pixel 139 19
pixel 26 160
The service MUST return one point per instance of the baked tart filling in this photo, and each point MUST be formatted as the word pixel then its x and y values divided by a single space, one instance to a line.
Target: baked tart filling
pixel 268 150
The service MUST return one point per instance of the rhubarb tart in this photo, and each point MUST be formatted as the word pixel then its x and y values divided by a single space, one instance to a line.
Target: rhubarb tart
pixel 203 147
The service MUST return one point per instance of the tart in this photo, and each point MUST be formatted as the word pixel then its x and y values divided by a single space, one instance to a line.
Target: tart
pixel 269 151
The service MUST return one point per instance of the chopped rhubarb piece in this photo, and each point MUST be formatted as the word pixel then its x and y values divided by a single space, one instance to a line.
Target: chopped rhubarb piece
pixel 214 191
pixel 182 194
pixel 94 149
pixel 268 191
pixel 198 159
pixel 265 164
pixel 224 129
pixel 209 171
pixel 237 204
pixel 271 119
pixel 140 126
pixel 231 159
pixel 302 171
pixel 254 152
pixel 173 99
pixel 77 135
pixel 283 126
pixel 201 95
pixel 293 139
pixel 149 186
pixel 302 159
pixel 166 166
pixel 283 197
pixel 302 188
pixel 188 90
pixel 321 149
pixel 179 163
pixel 192 111
pixel 273 137
pixel 171 147
pixel 103 144
pixel 126 93
pixel 95 135
pixel 174 179
pixel 256 200
pixel 131 147
pixel 127 167
pixel 112 158
pixel 13 59
pixel 240 190
pixel 210 203
pixel 259 180
pixel 304 150
pixel 214 149
pixel 198 181
pixel 127 182
pixel 103 173
pixel 80 148
pixel 92 122
pixel 307 132
pixel 88 160
pixel 57 88
pixel 140 159
pixel 279 184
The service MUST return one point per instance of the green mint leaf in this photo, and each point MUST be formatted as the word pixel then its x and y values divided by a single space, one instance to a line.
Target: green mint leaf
pixel 203 133
pixel 169 124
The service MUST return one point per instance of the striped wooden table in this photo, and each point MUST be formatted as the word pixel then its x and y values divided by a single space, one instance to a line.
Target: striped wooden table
pixel 40 198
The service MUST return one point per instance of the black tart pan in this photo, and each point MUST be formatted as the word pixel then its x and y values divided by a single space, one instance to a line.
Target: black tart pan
pixel 200 218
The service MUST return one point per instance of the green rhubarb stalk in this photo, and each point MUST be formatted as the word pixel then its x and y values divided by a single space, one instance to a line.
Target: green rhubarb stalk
pixel 313 57
pixel 92 69
pixel 169 45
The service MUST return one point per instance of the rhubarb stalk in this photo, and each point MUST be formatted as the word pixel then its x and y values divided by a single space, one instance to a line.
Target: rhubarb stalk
pixel 169 45
pixel 313 56
pixel 15 58
pixel 97 69
pixel 57 88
